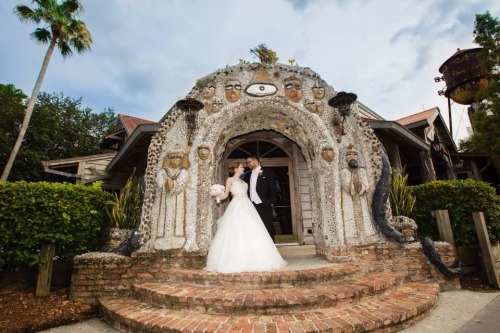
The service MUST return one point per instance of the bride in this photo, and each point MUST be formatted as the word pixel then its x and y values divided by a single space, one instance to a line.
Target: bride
pixel 242 243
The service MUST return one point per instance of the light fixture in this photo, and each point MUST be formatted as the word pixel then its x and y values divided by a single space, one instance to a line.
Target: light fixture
pixel 191 107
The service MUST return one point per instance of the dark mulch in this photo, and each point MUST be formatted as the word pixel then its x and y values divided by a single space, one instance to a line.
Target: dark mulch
pixel 22 312
pixel 476 282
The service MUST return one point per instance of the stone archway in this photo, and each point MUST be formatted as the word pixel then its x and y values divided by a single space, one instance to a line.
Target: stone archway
pixel 180 214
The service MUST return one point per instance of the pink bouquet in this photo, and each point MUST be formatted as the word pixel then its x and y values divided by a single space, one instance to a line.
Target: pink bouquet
pixel 217 190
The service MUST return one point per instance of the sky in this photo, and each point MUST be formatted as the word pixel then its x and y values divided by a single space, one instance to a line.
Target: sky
pixel 147 54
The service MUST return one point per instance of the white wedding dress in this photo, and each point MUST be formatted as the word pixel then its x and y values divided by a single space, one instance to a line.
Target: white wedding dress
pixel 242 243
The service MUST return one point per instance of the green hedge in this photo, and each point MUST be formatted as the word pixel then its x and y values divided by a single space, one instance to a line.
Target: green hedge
pixel 461 198
pixel 31 214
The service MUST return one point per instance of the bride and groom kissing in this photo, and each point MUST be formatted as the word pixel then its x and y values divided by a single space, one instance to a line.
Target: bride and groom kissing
pixel 244 238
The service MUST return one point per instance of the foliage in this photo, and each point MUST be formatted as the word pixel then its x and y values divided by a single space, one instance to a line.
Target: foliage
pixel 32 214
pixel 126 208
pixel 61 128
pixel 66 31
pixel 461 198
pixel 400 195
pixel 266 55
pixel 486 120
pixel 11 113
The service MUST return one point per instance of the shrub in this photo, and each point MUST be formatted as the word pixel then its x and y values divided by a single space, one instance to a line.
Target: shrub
pixel 33 214
pixel 461 198
pixel 400 195
pixel 125 209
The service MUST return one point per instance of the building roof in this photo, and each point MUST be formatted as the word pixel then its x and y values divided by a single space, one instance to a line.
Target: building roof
pixel 426 118
pixel 399 132
pixel 139 140
pixel 130 123
pixel 432 119
pixel 125 126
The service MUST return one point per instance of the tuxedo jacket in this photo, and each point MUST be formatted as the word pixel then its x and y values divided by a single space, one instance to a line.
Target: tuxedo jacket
pixel 265 187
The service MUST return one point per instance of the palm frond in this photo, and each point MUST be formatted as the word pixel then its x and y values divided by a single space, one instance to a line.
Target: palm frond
pixel 41 36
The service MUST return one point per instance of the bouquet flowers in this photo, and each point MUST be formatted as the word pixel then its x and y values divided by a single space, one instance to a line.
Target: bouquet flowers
pixel 216 190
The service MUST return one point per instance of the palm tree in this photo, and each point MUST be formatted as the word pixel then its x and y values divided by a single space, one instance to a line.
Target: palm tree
pixel 61 29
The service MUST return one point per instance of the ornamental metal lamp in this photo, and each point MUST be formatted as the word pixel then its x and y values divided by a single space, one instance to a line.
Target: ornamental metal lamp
pixel 343 102
pixel 190 106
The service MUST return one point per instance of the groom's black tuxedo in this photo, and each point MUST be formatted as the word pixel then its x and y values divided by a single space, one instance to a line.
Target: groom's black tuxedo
pixel 266 189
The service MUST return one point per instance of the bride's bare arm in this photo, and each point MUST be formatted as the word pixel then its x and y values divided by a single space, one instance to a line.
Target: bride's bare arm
pixel 229 181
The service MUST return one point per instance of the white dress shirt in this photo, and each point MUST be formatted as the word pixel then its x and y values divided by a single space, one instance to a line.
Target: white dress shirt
pixel 253 183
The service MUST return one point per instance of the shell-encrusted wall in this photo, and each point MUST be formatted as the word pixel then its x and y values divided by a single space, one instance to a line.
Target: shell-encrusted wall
pixel 343 157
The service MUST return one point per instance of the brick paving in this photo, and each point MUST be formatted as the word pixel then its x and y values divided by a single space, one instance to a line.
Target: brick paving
pixel 310 295
pixel 388 313
pixel 234 300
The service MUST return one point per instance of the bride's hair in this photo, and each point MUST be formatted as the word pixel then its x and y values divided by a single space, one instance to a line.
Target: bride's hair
pixel 233 167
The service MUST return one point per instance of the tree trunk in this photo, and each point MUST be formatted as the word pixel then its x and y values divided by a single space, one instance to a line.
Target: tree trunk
pixel 29 110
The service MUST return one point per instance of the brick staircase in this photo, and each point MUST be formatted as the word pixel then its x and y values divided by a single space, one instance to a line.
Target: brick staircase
pixel 332 298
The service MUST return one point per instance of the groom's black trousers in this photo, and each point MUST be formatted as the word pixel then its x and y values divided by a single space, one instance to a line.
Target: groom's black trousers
pixel 266 214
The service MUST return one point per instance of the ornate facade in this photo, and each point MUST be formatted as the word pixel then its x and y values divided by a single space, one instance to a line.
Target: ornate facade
pixel 244 99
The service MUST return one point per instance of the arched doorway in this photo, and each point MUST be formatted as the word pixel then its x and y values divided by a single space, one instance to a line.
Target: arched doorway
pixel 274 152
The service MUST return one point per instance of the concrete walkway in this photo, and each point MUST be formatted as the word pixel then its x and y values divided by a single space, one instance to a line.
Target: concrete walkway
pixel 460 311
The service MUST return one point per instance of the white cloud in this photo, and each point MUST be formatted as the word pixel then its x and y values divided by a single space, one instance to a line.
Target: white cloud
pixel 148 54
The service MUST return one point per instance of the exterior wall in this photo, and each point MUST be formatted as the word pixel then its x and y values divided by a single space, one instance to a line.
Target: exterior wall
pixel 112 275
pixel 408 259
pixel 87 169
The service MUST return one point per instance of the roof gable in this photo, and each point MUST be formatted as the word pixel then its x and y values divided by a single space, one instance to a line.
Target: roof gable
pixel 130 123
pixel 424 118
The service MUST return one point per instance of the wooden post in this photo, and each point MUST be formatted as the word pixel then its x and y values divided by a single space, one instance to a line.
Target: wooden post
pixel 45 271
pixel 486 253
pixel 444 226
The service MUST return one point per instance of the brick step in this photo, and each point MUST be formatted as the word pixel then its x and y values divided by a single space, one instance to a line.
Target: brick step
pixel 273 279
pixel 388 313
pixel 265 301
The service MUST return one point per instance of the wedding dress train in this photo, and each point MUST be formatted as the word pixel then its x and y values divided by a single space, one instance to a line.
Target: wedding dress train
pixel 242 243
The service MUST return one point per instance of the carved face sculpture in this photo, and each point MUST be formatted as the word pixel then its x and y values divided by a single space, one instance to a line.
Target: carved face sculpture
pixel 175 161
pixel 208 91
pixel 233 90
pixel 318 92
pixel 293 89
pixel 203 153
pixel 327 154
pixel 351 158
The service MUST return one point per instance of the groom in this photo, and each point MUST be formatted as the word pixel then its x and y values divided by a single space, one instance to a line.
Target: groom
pixel 262 191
